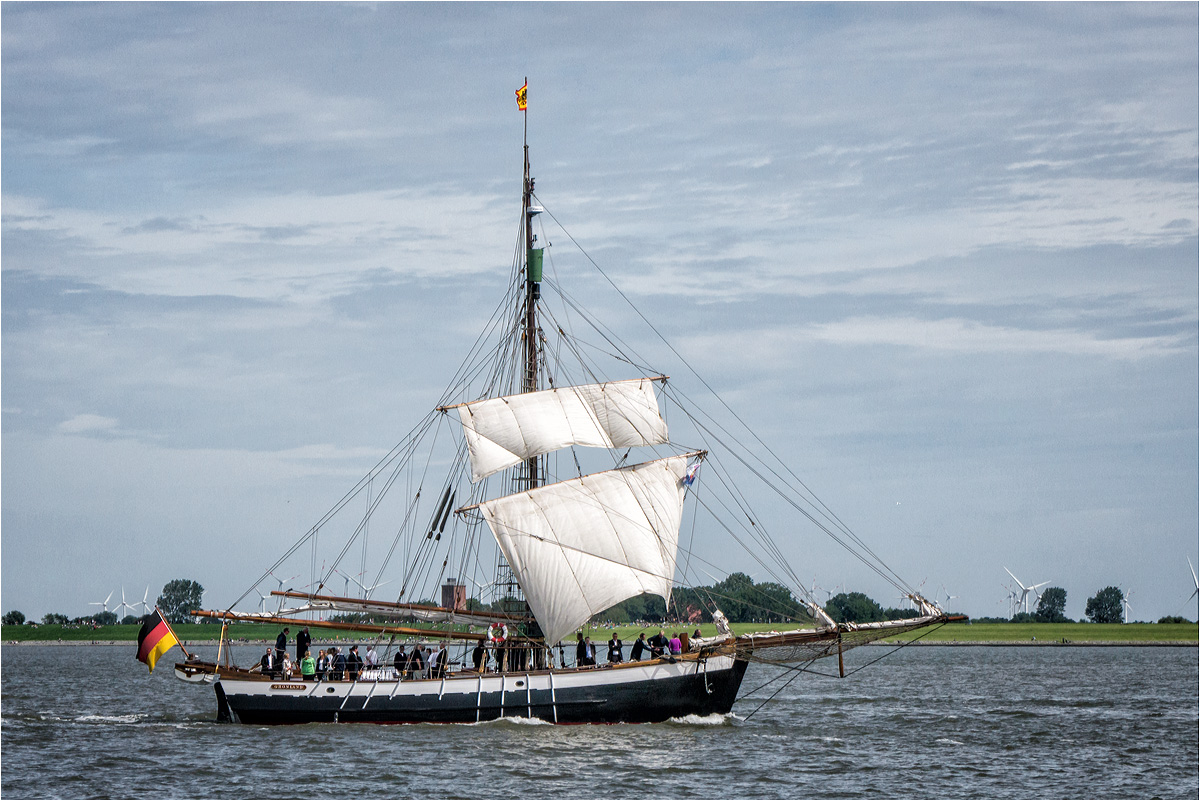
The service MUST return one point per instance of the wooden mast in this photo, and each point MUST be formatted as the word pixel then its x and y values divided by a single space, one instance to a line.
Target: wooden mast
pixel 533 292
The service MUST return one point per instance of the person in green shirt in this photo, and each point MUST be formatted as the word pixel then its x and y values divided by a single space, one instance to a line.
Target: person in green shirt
pixel 308 666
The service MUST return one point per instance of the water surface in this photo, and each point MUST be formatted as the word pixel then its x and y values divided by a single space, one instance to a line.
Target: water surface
pixel 926 722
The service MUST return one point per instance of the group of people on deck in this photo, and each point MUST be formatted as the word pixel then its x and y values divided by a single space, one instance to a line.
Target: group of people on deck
pixel 333 665
pixel 432 661
pixel 657 646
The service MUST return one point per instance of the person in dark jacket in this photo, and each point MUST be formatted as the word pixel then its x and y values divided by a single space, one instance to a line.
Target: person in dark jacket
pixel 580 650
pixel 616 650
pixel 281 645
pixel 659 644
pixel 400 661
pixel 639 645
pixel 338 671
pixel 354 663
pixel 267 663
pixel 303 640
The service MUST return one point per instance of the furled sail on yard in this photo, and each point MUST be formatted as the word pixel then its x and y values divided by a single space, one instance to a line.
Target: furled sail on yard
pixel 580 546
pixel 502 432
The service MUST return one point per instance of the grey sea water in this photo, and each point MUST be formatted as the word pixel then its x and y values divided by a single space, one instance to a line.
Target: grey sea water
pixel 926 722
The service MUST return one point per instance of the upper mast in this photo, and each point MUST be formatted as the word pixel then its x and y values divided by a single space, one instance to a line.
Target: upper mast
pixel 533 291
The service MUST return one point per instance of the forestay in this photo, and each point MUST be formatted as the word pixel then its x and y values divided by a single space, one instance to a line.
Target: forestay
pixel 580 546
pixel 502 432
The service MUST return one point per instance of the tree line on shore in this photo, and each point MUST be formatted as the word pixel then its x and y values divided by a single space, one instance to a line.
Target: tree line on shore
pixel 739 597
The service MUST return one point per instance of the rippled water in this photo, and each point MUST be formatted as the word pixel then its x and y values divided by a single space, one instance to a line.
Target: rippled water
pixel 935 722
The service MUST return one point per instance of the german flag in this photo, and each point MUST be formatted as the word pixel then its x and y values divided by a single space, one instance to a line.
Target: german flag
pixel 155 639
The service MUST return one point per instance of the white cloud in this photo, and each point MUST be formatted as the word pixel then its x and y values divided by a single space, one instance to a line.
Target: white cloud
pixel 87 424
pixel 967 336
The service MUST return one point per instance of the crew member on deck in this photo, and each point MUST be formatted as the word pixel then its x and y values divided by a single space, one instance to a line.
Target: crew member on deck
pixel 639 645
pixel 580 650
pixel 281 645
pixel 354 663
pixel 267 663
pixel 616 654
pixel 303 640
pixel 400 661
pixel 338 666
pixel 308 667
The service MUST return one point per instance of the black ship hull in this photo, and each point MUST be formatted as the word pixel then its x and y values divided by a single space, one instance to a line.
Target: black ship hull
pixel 647 692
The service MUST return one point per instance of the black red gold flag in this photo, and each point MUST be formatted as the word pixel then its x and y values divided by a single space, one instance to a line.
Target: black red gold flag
pixel 155 639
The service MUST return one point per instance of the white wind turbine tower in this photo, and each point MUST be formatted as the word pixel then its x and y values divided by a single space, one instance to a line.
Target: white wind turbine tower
pixel 1025 591
pixel 123 608
pixel 947 596
pixel 103 604
pixel 1010 598
pixel 281 583
pixel 262 603
pixel 366 591
pixel 145 606
pixel 1195 580
pixel 1125 605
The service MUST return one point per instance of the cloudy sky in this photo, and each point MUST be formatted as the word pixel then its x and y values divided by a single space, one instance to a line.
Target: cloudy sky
pixel 943 258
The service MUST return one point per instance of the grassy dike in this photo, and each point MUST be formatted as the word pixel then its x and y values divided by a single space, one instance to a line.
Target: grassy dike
pixel 960 633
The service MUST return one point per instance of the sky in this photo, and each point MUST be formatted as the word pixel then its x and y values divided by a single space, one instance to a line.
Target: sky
pixel 943 258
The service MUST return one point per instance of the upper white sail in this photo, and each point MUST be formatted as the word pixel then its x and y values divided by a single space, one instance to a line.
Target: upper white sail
pixel 502 432
pixel 578 547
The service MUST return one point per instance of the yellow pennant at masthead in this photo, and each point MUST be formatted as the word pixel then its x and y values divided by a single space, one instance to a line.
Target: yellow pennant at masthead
pixel 521 96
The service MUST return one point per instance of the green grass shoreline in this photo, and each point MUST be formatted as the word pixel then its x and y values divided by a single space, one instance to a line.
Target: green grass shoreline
pixel 950 634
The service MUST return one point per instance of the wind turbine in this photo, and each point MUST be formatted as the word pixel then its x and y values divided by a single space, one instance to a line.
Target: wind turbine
pixel 1125 606
pixel 1010 598
pixel 346 591
pixel 1195 580
pixel 262 603
pixel 366 591
pixel 145 606
pixel 283 581
pixel 946 594
pixel 122 607
pixel 1024 590
pixel 103 604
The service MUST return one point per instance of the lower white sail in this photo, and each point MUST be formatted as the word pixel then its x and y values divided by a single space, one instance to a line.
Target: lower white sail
pixel 580 546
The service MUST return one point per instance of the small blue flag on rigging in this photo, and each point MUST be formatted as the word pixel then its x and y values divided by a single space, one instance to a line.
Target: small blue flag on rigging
pixel 692 471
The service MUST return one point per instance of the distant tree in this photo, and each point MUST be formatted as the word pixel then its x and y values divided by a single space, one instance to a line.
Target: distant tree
pixel 895 613
pixel 104 618
pixel 1051 606
pixel 853 607
pixel 1023 617
pixel 1167 619
pixel 130 620
pixel 14 618
pixel 178 598
pixel 54 618
pixel 1105 606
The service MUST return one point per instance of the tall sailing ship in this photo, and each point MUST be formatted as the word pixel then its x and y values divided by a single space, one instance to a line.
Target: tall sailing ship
pixel 546 389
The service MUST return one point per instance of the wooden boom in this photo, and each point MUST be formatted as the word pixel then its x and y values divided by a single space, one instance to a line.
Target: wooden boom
pixel 392 606
pixel 325 624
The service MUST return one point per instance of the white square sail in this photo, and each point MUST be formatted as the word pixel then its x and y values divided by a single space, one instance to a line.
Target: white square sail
pixel 581 546
pixel 502 432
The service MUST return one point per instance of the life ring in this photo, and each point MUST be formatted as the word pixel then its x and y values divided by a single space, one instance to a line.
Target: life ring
pixel 497 633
